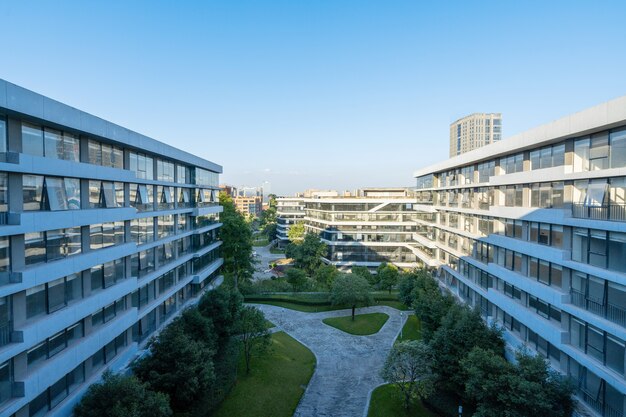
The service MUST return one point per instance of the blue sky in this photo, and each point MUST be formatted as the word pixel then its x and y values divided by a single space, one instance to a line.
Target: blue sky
pixel 316 94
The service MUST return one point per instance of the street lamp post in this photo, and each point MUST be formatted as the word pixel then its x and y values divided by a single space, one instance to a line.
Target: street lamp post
pixel 401 326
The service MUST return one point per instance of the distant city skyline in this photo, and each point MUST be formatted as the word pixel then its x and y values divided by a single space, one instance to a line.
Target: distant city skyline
pixel 337 95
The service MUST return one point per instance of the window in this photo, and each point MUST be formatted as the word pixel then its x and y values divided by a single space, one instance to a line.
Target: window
pixel 105 194
pixel 165 225
pixel 547 195
pixel 183 174
pixel 206 178
pixel 106 234
pixel 165 170
pixel 3 148
pixel 105 154
pixel 50 193
pixel 53 296
pixel 142 230
pixel 142 197
pixel 512 163
pixel 165 197
pixel 550 156
pixel 50 143
pixel 618 148
pixel 142 165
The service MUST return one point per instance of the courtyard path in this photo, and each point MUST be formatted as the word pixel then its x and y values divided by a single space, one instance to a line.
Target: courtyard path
pixel 348 366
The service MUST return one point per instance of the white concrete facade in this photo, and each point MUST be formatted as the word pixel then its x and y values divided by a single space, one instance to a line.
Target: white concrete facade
pixel 105 236
pixel 532 230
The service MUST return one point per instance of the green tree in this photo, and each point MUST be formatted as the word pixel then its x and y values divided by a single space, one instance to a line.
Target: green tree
pixel 388 276
pixel 325 275
pixel 253 333
pixel 270 231
pixel 297 278
pixel 409 367
pixel 364 272
pixel 500 388
pixel 296 232
pixel 179 366
pixel 461 330
pixel 351 290
pixel 430 305
pixel 308 254
pixel 406 287
pixel 236 236
pixel 122 396
pixel 221 306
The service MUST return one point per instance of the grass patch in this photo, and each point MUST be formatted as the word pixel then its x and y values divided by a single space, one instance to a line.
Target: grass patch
pixel 275 383
pixel 260 242
pixel 269 324
pixel 363 324
pixel 315 302
pixel 387 401
pixel 412 329
pixel 276 251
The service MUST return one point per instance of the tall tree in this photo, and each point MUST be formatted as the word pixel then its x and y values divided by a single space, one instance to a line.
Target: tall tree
pixel 122 396
pixel 388 276
pixel 236 236
pixel 409 367
pixel 325 275
pixel 252 330
pixel 179 366
pixel 297 278
pixel 308 254
pixel 461 330
pixel 296 232
pixel 364 272
pixel 351 290
pixel 501 388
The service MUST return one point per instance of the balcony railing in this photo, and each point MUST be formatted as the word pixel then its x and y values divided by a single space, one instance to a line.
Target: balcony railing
pixel 5 333
pixel 611 312
pixel 612 211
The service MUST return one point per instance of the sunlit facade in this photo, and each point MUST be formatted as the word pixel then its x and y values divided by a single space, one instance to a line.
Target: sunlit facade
pixel 105 235
pixel 532 231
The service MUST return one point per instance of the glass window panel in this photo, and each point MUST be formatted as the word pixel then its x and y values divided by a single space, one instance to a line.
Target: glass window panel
pixel 71 147
pixel 95 153
pixel 32 192
pixel 35 248
pixel 3 135
pixel 56 344
pixel 32 140
pixel 55 190
pixel 53 144
pixel 74 287
pixel 108 192
pixel 72 193
pixel 56 295
pixel 615 354
pixel 35 301
pixel 617 251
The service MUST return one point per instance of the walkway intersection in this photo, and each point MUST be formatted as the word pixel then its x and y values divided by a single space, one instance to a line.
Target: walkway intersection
pixel 348 366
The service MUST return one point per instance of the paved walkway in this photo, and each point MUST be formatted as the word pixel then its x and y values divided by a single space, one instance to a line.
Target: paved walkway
pixel 264 258
pixel 347 366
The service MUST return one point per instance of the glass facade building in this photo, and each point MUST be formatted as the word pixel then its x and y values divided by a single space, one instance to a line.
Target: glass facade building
pixel 532 231
pixel 105 235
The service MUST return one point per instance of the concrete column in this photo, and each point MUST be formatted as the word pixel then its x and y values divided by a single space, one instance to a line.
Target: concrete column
pixel 16 194
pixel 18 261
pixel 85 239
pixel 20 366
pixel 84 149
pixel 19 310
pixel 84 193
pixel 14 133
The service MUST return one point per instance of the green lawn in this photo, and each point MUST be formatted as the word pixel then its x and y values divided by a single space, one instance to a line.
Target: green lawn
pixel 269 324
pixel 261 242
pixel 276 251
pixel 412 329
pixel 387 402
pixel 315 302
pixel 276 382
pixel 362 325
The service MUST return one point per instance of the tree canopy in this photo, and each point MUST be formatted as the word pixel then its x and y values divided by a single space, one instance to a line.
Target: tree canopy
pixel 351 290
pixel 253 333
pixel 122 396
pixel 388 276
pixel 409 367
pixel 236 235
pixel 308 254
pixel 296 232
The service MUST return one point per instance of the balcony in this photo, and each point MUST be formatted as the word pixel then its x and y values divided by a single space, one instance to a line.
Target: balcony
pixel 612 211
pixel 609 311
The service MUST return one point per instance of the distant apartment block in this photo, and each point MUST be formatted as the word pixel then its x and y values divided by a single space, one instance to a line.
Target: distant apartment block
pixel 105 235
pixel 249 206
pixel 289 211
pixel 532 231
pixel 362 228
pixel 474 131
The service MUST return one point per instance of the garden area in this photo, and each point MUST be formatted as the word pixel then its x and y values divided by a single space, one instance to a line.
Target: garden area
pixel 274 385
pixel 361 325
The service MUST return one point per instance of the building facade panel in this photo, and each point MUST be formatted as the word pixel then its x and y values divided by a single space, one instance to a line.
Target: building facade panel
pixel 105 235
pixel 532 231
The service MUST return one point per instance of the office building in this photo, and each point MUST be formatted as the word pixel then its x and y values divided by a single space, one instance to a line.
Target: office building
pixel 105 236
pixel 532 231
pixel 474 131
pixel 249 206
pixel 289 211
pixel 365 227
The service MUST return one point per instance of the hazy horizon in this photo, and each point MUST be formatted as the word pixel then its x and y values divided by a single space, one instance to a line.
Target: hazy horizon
pixel 327 95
